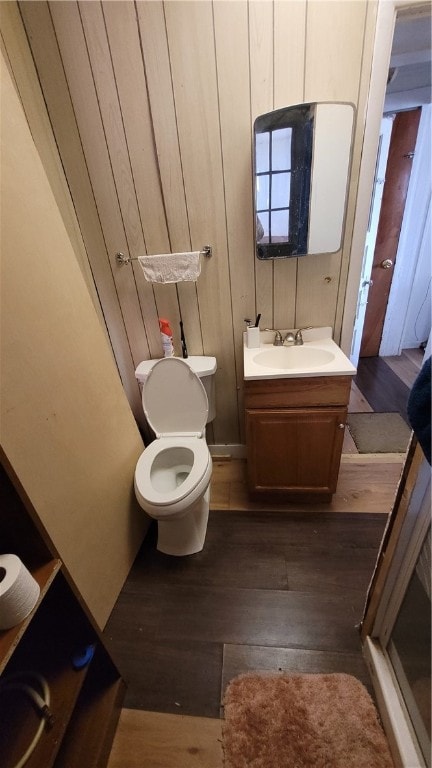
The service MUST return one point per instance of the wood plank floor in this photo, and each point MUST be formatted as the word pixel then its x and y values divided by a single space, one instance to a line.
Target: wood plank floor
pixel 265 584
pixel 367 483
pixel 385 382
pixel 271 591
pixel 274 590
pixel 407 365
pixel 155 740
pixel 383 389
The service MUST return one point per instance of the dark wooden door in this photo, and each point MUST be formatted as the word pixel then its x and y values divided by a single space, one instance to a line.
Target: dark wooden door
pixel 399 163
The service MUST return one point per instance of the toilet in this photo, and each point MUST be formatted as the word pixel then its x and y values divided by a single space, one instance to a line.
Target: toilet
pixel 203 365
pixel 172 475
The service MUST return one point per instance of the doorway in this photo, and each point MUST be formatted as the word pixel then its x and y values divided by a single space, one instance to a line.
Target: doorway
pixel 397 30
pixel 408 92
pixel 393 317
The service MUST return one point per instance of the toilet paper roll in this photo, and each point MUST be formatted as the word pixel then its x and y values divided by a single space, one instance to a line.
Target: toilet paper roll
pixel 19 591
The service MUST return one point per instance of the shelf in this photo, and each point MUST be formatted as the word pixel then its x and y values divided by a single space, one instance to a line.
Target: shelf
pixel 9 638
pixel 58 630
pixel 91 731
pixel 85 703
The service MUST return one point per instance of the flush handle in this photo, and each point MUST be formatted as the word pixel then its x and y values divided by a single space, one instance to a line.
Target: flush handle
pixel 387 264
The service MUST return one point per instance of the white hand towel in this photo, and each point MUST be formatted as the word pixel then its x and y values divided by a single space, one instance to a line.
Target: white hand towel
pixel 171 267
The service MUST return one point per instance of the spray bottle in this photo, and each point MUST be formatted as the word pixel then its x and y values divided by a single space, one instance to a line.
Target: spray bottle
pixel 166 334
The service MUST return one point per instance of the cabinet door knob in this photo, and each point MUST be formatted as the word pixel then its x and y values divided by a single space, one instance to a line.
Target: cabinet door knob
pixel 341 426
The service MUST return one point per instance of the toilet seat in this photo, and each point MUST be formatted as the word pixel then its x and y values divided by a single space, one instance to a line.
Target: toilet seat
pixel 174 399
pixel 175 404
pixel 196 480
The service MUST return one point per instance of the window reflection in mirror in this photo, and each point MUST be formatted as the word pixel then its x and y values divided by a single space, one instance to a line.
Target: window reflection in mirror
pixel 301 163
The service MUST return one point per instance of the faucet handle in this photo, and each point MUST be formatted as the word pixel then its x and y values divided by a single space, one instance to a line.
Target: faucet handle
pixel 278 341
pixel 298 339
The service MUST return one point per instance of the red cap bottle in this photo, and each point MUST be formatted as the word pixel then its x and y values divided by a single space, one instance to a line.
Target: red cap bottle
pixel 166 334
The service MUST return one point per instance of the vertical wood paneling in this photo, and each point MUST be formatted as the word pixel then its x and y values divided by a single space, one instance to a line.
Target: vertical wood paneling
pixel 288 90
pixel 289 52
pixel 101 65
pixel 334 44
pixel 350 247
pixel 232 56
pixel 261 87
pixel 57 98
pixel 164 95
pixel 128 67
pixel 195 93
pixel 151 25
pixel 79 76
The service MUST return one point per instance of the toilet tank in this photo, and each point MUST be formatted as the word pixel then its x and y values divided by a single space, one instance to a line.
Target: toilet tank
pixel 204 367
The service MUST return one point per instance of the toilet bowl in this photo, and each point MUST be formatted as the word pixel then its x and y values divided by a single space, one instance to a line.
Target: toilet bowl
pixel 172 475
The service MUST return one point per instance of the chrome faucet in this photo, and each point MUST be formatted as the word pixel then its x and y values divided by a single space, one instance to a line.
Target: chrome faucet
pixel 278 341
pixel 294 338
pixel 289 338
pixel 298 338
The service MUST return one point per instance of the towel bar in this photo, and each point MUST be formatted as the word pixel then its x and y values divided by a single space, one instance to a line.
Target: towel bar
pixel 122 259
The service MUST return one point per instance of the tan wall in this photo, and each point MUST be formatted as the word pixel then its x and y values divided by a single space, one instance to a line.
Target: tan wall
pixel 66 426
pixel 152 105
pixel 18 57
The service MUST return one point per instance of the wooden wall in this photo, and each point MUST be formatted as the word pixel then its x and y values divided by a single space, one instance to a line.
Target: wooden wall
pixel 152 106
pixel 66 427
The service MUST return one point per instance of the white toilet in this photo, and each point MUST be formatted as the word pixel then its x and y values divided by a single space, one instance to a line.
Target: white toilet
pixel 172 475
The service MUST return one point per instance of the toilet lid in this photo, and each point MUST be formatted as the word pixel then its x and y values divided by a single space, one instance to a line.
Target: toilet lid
pixel 174 399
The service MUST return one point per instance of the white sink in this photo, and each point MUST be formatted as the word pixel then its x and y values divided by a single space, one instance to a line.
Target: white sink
pixel 319 355
pixel 294 357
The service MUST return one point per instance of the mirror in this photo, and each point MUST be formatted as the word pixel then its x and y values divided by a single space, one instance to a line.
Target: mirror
pixel 302 156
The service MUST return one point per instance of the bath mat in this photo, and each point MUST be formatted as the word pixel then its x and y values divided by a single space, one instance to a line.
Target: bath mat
pixel 379 432
pixel 301 721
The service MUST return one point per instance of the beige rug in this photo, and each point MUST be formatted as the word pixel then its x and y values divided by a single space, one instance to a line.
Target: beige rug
pixel 379 432
pixel 301 721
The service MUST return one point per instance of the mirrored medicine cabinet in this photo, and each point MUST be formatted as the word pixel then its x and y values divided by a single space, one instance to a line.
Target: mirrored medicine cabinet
pixel 302 157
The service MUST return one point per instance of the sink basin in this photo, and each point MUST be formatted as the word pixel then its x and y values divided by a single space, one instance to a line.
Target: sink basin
pixel 294 357
pixel 318 356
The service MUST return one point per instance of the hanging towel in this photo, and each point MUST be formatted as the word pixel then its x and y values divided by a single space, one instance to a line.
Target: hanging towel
pixel 171 267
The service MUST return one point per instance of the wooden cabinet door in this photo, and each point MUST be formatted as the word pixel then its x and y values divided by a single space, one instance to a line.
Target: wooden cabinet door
pixel 294 450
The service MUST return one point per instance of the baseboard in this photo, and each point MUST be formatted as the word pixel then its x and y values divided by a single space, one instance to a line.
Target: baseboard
pixel 238 451
pixel 228 451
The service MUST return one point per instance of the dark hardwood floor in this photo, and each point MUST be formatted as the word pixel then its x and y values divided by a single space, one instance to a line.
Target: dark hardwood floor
pixel 381 387
pixel 271 591
pixel 386 382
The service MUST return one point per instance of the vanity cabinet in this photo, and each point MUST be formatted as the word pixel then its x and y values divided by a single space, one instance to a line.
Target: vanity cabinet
pixel 85 694
pixel 294 436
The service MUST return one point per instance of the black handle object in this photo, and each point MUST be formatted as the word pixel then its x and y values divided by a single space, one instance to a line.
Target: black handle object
pixel 258 318
pixel 183 341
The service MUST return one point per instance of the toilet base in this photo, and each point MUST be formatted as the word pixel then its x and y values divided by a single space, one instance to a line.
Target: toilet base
pixel 186 535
